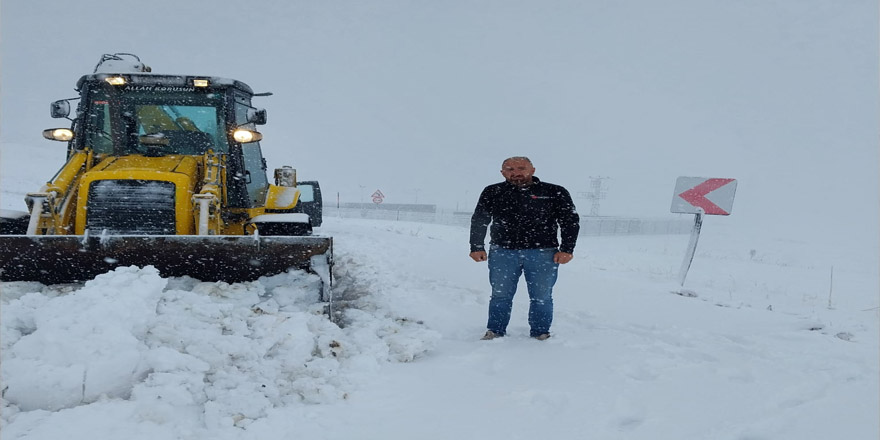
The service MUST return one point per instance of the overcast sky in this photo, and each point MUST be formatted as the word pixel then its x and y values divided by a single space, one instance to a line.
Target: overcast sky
pixel 423 99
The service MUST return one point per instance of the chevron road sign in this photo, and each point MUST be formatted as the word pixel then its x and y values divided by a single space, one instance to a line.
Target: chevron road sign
pixel 696 195
pixel 700 195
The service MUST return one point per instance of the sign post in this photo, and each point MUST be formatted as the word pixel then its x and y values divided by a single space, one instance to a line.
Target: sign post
pixel 691 249
pixel 699 196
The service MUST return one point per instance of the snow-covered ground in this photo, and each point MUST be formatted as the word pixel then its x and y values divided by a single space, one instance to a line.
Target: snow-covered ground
pixel 756 354
pixel 423 100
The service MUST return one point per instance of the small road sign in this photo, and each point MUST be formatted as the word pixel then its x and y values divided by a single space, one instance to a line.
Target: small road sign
pixel 701 195
pixel 378 197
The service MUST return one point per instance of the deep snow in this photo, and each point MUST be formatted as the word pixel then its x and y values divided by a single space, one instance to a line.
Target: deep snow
pixel 757 354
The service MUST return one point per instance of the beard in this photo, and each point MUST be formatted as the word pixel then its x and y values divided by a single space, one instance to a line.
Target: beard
pixel 520 180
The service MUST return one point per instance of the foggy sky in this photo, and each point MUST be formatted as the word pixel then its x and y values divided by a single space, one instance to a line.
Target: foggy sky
pixel 423 100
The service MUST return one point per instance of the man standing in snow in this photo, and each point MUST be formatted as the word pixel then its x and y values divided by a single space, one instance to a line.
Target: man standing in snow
pixel 525 214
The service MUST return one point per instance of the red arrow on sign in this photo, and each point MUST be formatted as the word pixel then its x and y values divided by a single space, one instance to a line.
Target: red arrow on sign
pixel 696 196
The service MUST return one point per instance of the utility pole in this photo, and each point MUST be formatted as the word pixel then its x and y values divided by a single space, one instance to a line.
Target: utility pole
pixel 595 194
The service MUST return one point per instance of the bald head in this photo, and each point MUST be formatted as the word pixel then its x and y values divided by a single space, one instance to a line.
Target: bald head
pixel 517 158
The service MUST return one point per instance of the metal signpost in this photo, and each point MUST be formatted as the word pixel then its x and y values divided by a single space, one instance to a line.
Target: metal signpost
pixel 698 196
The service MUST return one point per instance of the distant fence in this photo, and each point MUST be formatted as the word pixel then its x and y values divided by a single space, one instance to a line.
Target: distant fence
pixel 589 225
pixel 407 207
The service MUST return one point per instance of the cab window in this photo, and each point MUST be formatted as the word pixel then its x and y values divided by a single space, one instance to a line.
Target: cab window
pixel 188 129
pixel 254 166
pixel 97 128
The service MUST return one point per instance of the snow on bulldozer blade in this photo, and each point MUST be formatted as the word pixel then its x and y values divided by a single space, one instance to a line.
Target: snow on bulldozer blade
pixel 13 222
pixel 54 259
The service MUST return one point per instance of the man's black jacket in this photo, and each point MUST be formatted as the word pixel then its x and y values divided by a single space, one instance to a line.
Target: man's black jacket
pixel 525 218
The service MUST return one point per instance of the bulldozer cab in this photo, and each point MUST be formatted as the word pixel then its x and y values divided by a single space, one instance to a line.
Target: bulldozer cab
pixel 167 115
pixel 144 120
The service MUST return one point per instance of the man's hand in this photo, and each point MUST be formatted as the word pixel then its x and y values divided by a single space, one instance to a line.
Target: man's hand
pixel 480 256
pixel 561 257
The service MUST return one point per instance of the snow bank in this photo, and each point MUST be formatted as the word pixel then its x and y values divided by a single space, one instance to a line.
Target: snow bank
pixel 225 353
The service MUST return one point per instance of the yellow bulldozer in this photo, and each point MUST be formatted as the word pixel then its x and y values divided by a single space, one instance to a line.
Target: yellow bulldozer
pixel 164 170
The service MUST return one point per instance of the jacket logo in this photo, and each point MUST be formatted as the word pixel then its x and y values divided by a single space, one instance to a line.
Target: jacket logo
pixel 540 197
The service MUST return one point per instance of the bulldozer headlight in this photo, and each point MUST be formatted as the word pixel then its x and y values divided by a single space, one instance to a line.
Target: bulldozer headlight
pixel 115 80
pixel 200 83
pixel 58 134
pixel 244 136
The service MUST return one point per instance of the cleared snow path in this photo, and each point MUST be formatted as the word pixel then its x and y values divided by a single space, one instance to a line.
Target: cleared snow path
pixel 628 359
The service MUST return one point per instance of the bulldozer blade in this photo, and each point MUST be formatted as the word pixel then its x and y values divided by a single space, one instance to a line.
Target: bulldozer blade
pixel 54 259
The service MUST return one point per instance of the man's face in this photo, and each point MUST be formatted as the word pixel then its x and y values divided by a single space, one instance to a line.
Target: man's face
pixel 518 172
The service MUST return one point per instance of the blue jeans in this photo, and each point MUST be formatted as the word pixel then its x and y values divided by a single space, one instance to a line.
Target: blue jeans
pixel 505 268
